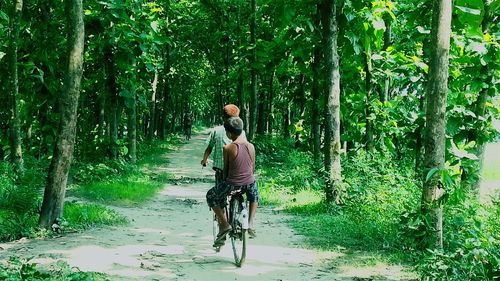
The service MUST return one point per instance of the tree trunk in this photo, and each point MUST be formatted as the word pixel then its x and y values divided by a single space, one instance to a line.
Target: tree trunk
pixel 262 113
pixel 166 94
pixel 286 121
pixel 102 117
pixel 332 119
pixel 436 117
pixel 315 92
pixel 227 61
pixel 131 106
pixel 253 74
pixel 270 119
pixel 53 199
pixel 132 127
pixel 16 156
pixel 418 135
pixel 480 111
pixel 153 109
pixel 112 90
pixel 387 42
pixel 368 106
pixel 239 87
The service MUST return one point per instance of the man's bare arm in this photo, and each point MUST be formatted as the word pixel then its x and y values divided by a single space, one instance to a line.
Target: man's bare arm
pixel 207 153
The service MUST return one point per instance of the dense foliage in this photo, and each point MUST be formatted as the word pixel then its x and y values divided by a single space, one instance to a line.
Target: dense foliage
pixel 381 213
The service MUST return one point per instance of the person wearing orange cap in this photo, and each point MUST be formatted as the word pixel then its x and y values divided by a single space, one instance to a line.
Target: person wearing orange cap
pixel 216 142
pixel 239 167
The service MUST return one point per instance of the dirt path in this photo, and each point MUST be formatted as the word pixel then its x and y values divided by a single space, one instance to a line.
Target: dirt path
pixel 170 239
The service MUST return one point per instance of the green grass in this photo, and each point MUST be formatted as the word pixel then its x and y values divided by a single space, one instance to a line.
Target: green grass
pixel 80 216
pixel 126 184
pixel 303 201
pixel 122 192
pixel 152 154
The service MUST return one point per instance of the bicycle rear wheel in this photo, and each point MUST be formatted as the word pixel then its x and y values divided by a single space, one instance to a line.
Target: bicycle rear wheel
pixel 238 234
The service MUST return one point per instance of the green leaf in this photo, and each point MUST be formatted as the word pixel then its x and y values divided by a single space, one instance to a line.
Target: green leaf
pixel 390 145
pixel 469 10
pixel 422 30
pixel 461 153
pixel 126 93
pixel 431 173
pixel 477 47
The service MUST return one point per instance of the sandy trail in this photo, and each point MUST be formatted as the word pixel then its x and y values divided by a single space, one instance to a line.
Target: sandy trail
pixel 170 238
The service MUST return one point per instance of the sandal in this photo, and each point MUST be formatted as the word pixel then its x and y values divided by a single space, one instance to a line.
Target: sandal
pixel 251 233
pixel 221 237
pixel 220 243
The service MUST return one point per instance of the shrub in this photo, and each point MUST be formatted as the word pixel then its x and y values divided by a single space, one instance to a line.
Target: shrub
pixel 472 245
pixel 17 269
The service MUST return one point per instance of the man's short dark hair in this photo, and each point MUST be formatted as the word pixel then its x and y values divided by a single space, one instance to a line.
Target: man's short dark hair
pixel 234 125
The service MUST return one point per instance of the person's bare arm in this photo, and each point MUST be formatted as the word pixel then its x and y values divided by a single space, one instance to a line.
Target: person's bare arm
pixel 207 153
pixel 225 157
pixel 251 149
pixel 208 150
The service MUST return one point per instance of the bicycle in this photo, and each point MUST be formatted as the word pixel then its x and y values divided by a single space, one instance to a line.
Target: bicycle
pixel 237 213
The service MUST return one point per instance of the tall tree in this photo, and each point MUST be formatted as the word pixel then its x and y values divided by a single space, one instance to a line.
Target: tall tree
pixel 332 118
pixel 239 86
pixel 315 93
pixel 131 103
pixel 55 189
pixel 480 104
pixel 16 155
pixel 253 73
pixel 436 117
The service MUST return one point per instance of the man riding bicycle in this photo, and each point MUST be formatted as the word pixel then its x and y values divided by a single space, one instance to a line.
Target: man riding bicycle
pixel 238 174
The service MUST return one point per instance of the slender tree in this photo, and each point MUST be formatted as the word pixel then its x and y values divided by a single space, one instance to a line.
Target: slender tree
pixel 16 155
pixel 332 118
pixel 239 87
pixel 253 74
pixel 436 117
pixel 369 92
pixel 131 102
pixel 55 189
pixel 315 93
pixel 384 95
pixel 480 107
pixel 113 101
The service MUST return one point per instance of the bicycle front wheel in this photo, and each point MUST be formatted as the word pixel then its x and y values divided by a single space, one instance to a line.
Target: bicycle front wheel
pixel 238 234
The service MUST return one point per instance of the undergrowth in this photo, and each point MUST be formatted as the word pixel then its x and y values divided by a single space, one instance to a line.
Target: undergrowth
pixel 103 181
pixel 377 193
pixel 16 269
pixel 381 192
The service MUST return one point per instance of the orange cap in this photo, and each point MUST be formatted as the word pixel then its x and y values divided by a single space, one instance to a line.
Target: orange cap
pixel 231 110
